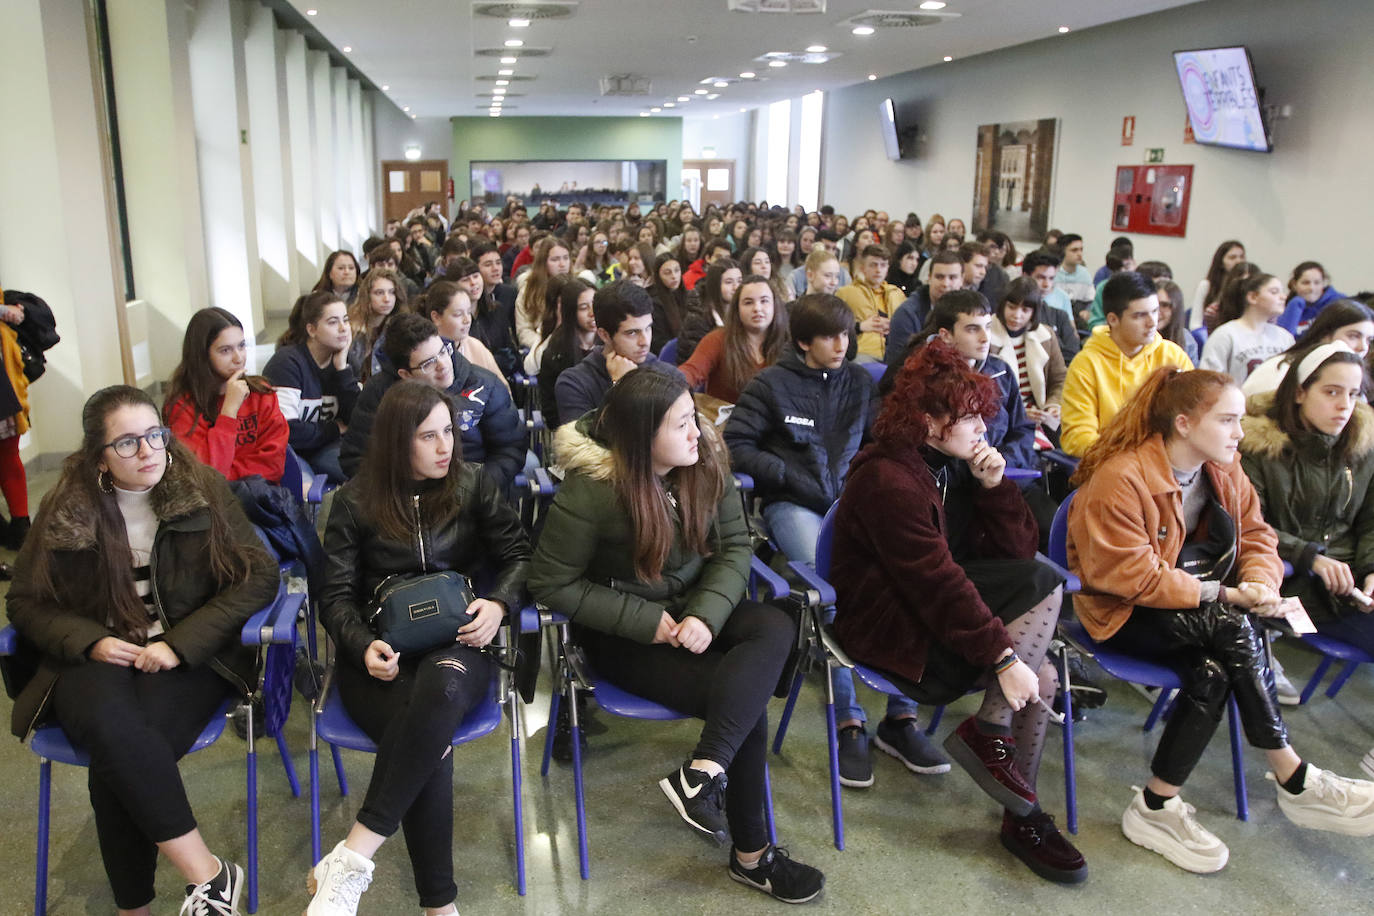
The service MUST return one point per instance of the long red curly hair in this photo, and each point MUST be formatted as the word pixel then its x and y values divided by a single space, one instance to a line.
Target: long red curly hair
pixel 935 383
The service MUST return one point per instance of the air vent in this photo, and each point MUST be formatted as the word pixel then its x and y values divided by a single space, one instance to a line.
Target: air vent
pixel 896 19
pixel 514 78
pixel 777 6
pixel 517 53
pixel 797 57
pixel 625 84
pixel 536 10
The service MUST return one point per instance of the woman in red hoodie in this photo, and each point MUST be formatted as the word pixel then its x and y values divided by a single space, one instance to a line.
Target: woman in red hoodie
pixel 937 586
pixel 231 421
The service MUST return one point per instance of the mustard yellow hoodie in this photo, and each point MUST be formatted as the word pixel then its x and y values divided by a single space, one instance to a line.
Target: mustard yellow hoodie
pixel 1100 380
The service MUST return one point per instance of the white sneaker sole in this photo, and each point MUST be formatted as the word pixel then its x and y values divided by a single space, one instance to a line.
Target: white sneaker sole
pixel 1367 764
pixel 1144 834
pixel 891 751
pixel 855 783
pixel 1324 820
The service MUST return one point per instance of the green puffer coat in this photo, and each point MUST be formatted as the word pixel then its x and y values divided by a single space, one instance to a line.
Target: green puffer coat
pixel 584 564
pixel 1317 498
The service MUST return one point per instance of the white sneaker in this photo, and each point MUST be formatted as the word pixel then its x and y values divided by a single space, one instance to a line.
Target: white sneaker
pixel 1175 834
pixel 337 881
pixel 1330 802
pixel 1367 764
pixel 217 897
pixel 1287 693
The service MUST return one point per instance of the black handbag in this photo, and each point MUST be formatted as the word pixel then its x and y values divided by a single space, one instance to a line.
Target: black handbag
pixel 415 614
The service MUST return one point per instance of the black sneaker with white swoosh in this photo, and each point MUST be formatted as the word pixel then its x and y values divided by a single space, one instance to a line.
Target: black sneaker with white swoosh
pixel 699 799
pixel 779 876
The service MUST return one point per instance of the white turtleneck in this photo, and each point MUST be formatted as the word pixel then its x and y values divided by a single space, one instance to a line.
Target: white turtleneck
pixel 140 526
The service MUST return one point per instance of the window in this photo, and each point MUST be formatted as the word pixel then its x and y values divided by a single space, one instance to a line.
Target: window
pixel 776 154
pixel 809 166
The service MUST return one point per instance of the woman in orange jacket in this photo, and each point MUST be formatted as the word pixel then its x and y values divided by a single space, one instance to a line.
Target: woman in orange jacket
pixel 1168 537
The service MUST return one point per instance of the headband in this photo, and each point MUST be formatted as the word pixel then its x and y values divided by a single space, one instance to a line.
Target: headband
pixel 1313 360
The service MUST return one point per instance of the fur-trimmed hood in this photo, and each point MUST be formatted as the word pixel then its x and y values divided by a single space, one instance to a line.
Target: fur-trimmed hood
pixel 1264 439
pixel 72 523
pixel 576 449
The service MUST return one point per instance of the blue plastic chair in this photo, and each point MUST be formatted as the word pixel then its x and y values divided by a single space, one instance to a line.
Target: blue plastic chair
pixel 1129 668
pixel 273 631
pixel 572 677
pixel 669 352
pixel 1200 335
pixel 876 370
pixel 331 724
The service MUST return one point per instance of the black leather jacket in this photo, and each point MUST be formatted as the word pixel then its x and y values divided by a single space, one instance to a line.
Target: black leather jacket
pixel 484 541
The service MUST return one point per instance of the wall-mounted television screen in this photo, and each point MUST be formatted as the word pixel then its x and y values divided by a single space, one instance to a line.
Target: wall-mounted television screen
pixel 887 116
pixel 1223 103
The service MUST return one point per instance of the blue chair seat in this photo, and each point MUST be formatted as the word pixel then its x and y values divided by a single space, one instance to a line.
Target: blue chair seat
pixel 1121 666
pixel 618 702
pixel 334 726
pixel 51 743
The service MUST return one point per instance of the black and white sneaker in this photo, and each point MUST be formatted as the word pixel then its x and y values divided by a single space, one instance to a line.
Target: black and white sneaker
pixel 217 897
pixel 901 738
pixel 699 799
pixel 779 876
pixel 1087 693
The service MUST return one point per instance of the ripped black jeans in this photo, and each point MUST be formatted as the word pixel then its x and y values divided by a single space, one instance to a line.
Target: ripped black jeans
pixel 412 720
pixel 1217 652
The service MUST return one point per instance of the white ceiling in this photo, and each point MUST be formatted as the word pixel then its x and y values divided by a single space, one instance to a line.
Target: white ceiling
pixel 423 50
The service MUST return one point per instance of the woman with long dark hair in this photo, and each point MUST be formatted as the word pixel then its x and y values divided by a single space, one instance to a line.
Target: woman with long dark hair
pixel 708 304
pixel 340 276
pixel 1025 341
pixel 231 421
pixel 1346 321
pixel 415 508
pixel 902 269
pixel 1175 556
pixel 552 258
pixel 1172 319
pixel 753 338
pixel 133 585
pixel 937 585
pixel 381 294
pixel 646 550
pixel 670 300
pixel 1207 298
pixel 316 387
pixel 570 342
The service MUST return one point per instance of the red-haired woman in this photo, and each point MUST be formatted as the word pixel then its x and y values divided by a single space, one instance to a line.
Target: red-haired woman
pixel 1168 537
pixel 937 587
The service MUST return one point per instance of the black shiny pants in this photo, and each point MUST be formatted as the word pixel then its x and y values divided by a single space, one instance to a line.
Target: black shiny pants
pixel 1217 652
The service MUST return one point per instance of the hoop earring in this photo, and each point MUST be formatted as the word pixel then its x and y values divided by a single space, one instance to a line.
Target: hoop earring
pixel 104 481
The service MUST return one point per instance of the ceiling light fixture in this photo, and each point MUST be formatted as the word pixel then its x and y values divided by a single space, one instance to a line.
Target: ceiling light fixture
pixel 743 110
pixel 701 92
pixel 1063 29
pixel 385 88
pixel 643 114
pixel 872 77
pixel 816 49
pixel 412 117
pixel 863 30
pixel 347 49
pixel 721 84
pixel 312 12
pixel 508 60
pixel 747 75
pixel 655 109
pixel 948 58
pixel 933 5
pixel 777 64
pixel 505 72
pixel 713 96
pixel 503 82
pixel 669 105
pixel 519 23
pixel 514 43
pixel 684 98
pixel 405 108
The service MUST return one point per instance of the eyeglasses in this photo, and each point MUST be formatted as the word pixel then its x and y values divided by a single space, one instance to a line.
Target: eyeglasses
pixel 429 365
pixel 128 446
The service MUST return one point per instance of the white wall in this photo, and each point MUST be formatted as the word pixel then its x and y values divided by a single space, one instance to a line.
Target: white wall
pixel 1308 199
pixel 394 130
pixel 732 137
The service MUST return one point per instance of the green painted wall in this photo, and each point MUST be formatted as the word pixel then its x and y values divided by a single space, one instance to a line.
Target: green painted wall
pixel 486 138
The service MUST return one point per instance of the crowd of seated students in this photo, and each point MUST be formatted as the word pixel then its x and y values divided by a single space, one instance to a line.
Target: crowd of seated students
pixel 401 381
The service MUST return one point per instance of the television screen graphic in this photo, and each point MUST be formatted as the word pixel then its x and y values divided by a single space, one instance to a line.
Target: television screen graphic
pixel 1223 104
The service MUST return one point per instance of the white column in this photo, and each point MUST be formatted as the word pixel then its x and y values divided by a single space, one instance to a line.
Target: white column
pixel 300 105
pixel 220 100
pixel 357 165
pixel 326 198
pixel 370 167
pixel 270 152
pixel 343 129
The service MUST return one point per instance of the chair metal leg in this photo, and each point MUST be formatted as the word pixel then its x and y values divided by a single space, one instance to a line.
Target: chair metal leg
pixel 315 851
pixel 517 804
pixel 1315 681
pixel 1070 758
pixel 40 879
pixel 288 765
pixel 787 711
pixel 833 744
pixel 1237 761
pixel 1340 680
pixel 768 804
pixel 935 718
pixel 1156 711
pixel 554 703
pixel 339 769
pixel 252 767
pixel 579 798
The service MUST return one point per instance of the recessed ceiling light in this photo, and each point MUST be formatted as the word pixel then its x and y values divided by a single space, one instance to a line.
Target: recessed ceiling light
pixel 505 72
pixel 684 98
pixel 720 84
pixel 655 109
pixel 643 114
pixel 312 12
pixel 713 96
pixel 1063 29
pixel 872 76
pixel 743 110
pixel 347 49
pixel 508 60
pixel 747 75
pixel 405 108
pixel 948 58
pixel 933 5
pixel 863 30
pixel 701 92
pixel 519 23
pixel 779 64
pixel 385 88
pixel 503 82
pixel 669 104
pixel 412 117
pixel 514 43
pixel 498 91
pixel 493 114
pixel 816 49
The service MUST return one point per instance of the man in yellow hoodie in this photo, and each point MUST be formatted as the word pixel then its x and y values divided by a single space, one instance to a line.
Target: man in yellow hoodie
pixel 872 300
pixel 1116 359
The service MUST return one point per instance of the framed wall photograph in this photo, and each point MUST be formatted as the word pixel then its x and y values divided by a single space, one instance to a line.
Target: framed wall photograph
pixel 1013 178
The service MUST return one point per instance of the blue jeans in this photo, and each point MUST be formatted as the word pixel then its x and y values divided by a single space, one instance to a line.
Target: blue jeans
pixel 795 529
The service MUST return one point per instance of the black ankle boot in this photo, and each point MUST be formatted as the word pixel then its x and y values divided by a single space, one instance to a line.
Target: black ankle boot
pixel 16 531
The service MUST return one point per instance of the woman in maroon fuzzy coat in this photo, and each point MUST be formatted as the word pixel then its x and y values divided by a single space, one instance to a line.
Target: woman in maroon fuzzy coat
pixel 938 587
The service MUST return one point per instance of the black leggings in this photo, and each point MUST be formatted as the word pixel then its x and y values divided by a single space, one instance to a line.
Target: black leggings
pixel 412 720
pixel 1216 652
pixel 728 686
pixel 136 727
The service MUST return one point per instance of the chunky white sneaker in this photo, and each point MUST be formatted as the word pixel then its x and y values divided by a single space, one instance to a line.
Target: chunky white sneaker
pixel 1175 834
pixel 1367 764
pixel 337 881
pixel 217 897
pixel 1330 802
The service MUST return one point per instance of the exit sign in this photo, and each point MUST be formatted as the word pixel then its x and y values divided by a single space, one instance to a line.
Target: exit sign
pixel 1154 155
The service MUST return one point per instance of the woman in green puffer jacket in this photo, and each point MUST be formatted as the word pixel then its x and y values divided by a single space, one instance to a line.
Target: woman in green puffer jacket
pixel 646 550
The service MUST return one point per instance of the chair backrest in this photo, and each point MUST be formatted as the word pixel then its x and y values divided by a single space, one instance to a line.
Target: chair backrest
pixel 1059 532
pixel 1200 335
pixel 292 478
pixel 825 541
pixel 669 352
pixel 877 370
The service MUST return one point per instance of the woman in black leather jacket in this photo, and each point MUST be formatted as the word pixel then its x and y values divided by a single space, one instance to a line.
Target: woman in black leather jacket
pixel 414 508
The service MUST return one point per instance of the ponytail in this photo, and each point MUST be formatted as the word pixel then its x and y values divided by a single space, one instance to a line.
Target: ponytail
pixel 1165 395
pixel 306 311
